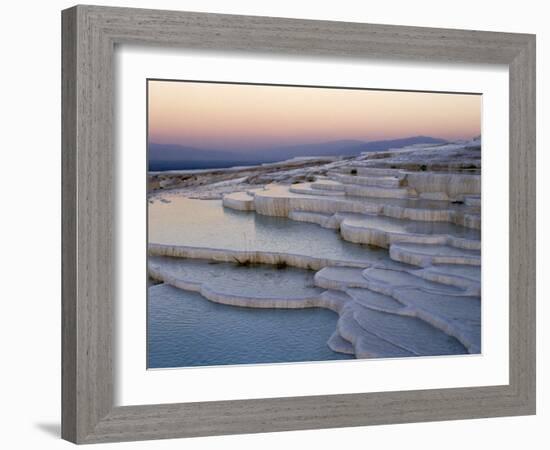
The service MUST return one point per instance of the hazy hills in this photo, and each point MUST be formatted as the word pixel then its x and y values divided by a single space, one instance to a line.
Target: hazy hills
pixel 171 156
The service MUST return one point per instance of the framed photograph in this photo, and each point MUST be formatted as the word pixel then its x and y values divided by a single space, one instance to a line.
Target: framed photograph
pixel 278 224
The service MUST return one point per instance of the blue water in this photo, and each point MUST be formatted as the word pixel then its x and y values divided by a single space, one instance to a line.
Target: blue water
pixel 206 223
pixel 184 329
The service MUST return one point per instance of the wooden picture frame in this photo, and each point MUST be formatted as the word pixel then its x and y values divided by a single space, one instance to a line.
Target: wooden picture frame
pixel 90 34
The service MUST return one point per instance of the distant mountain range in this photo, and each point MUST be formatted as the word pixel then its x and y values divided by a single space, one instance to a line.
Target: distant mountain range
pixel 173 156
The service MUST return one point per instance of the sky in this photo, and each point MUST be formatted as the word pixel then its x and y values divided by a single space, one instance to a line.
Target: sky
pixel 241 117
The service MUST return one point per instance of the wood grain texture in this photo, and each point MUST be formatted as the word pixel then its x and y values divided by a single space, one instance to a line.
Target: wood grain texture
pixel 68 226
pixel 89 36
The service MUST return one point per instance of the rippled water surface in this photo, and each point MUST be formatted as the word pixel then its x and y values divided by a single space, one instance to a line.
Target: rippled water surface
pixel 185 329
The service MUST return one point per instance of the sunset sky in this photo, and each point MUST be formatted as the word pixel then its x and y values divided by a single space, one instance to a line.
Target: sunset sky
pixel 237 116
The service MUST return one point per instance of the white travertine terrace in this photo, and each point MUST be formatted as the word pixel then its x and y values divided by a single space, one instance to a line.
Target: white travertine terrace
pixel 340 278
pixel 465 277
pixel 390 181
pixel 308 188
pixel 327 185
pixel 241 201
pixel 386 281
pixel 324 220
pixel 428 255
pixel 473 200
pixel 252 257
pixel 361 331
pixel 383 231
pixel 377 191
pixel 279 200
pixel 459 317
pixel 444 186
pixel 421 203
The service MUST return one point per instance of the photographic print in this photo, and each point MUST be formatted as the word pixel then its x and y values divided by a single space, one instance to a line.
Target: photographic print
pixel 304 223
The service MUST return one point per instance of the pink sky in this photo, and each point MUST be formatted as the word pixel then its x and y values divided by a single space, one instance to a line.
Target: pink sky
pixel 237 116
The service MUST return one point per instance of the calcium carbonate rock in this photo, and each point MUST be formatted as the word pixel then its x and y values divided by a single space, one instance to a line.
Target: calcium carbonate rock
pixel 465 277
pixel 279 200
pixel 307 188
pixel 376 192
pixel 427 255
pixel 384 231
pixel 376 301
pixel 255 257
pixel 459 157
pixel 409 333
pixel 453 186
pixel 472 200
pixel 366 344
pixel 363 180
pixel 386 281
pixel 241 201
pixel 361 329
pixel 335 300
pixel 237 284
pixel 471 221
pixel 340 278
pixel 324 220
pixel 324 184
pixel 358 168
pixel 422 202
pixel 459 317
pixel 338 344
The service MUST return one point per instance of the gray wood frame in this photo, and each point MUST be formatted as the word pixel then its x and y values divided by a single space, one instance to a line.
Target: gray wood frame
pixel 89 36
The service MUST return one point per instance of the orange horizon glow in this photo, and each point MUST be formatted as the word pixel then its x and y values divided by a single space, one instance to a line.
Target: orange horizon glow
pixel 240 116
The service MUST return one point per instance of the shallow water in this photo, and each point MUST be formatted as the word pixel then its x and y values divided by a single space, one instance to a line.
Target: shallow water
pixel 206 223
pixel 184 329
pixel 256 280
pixel 412 226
